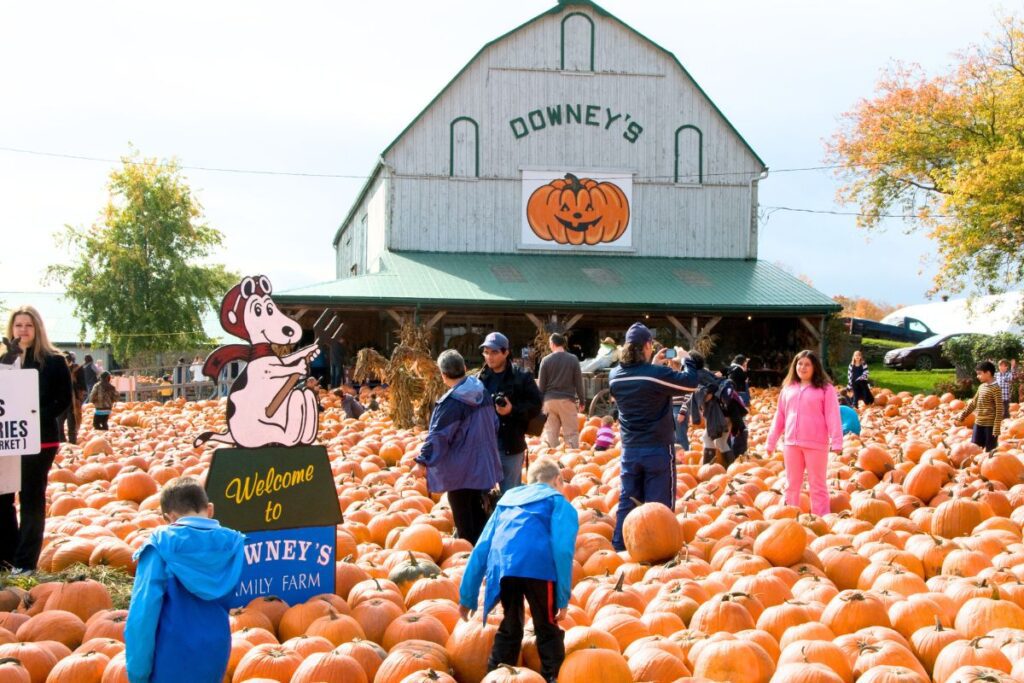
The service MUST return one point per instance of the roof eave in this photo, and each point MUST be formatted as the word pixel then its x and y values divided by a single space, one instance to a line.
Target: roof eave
pixel 359 200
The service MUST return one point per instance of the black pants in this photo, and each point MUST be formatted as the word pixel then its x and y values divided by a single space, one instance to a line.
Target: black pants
pixel 100 422
pixel 68 418
pixel 982 436
pixel 862 392
pixel 20 546
pixel 508 641
pixel 468 512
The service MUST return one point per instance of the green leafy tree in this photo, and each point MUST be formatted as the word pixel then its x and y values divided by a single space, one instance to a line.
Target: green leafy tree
pixel 139 276
pixel 947 150
pixel 970 349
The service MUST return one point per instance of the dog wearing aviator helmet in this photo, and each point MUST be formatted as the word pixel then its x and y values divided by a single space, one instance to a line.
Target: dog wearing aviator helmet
pixel 268 404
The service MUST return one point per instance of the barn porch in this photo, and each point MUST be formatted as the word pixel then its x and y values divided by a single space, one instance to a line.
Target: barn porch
pixel 746 306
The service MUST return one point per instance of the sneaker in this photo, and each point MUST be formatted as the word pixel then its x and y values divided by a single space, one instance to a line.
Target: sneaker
pixel 18 571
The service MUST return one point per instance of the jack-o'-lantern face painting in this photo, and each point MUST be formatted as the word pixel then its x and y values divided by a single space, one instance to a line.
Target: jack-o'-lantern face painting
pixel 578 211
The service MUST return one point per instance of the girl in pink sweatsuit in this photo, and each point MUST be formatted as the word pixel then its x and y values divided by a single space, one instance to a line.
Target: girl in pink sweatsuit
pixel 808 420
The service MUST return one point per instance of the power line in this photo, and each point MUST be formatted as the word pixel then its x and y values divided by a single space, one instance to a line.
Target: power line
pixel 854 213
pixel 309 174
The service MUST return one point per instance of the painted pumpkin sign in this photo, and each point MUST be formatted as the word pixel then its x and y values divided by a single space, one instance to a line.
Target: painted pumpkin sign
pixel 576 211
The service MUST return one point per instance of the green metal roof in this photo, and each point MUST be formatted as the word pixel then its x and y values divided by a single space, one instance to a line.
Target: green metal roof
pixel 569 281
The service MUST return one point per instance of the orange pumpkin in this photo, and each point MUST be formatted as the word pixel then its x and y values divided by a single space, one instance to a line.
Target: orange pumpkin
pixel 578 211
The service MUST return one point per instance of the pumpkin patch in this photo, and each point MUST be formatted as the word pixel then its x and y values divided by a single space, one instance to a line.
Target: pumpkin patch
pixel 916 574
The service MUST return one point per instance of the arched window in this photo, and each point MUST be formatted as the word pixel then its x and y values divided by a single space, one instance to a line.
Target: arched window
pixel 577 42
pixel 464 148
pixel 689 161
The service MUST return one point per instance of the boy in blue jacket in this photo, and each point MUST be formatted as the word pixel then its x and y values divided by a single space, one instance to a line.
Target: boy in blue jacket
pixel 178 617
pixel 526 551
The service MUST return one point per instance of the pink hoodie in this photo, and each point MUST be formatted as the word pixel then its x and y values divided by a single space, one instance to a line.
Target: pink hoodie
pixel 807 417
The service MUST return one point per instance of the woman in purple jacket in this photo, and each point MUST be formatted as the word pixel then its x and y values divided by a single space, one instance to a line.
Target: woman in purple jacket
pixel 460 454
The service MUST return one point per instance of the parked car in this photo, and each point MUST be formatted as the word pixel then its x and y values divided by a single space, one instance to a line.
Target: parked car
pixel 902 329
pixel 925 356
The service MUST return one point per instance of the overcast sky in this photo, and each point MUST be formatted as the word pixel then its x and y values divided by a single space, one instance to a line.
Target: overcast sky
pixel 323 87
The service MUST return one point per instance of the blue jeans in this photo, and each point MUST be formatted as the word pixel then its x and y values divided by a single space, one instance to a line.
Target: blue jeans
pixel 511 471
pixel 682 433
pixel 648 476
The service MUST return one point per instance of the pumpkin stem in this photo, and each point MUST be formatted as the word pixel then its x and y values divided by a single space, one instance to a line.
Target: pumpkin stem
pixel 938 624
pixel 622 580
pixel 574 183
pixel 995 591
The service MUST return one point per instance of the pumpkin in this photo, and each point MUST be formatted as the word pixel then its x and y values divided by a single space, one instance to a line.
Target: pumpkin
pixel 329 667
pixel 63 627
pixel 651 533
pixel 267 661
pixel 337 628
pixel 805 673
pixel 652 664
pixel 298 618
pixel 367 653
pixel 510 674
pixel 469 647
pixel 979 616
pixel 406 573
pixel 36 659
pixel 737 661
pixel 412 626
pixel 13 671
pixel 82 667
pixel 578 211
pixel 593 664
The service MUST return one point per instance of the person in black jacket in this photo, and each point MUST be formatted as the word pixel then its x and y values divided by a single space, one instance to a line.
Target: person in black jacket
pixel 517 400
pixel 737 372
pixel 30 348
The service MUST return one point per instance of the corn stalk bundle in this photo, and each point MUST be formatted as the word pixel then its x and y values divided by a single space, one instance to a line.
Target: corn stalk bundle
pixel 705 344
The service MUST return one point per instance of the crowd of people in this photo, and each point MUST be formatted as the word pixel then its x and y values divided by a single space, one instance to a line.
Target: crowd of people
pixel 475 452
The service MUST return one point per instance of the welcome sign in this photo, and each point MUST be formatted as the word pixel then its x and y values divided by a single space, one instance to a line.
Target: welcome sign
pixel 577 209
pixel 284 501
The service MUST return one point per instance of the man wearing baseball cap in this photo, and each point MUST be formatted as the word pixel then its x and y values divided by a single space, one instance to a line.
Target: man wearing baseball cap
pixel 643 392
pixel 517 400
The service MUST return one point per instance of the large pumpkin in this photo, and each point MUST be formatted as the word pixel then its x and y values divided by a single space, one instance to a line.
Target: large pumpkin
pixel 578 211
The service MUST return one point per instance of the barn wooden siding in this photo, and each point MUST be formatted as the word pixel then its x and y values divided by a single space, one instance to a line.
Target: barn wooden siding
pixel 453 177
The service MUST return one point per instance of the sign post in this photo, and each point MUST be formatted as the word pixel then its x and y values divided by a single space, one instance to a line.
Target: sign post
pixel 19 423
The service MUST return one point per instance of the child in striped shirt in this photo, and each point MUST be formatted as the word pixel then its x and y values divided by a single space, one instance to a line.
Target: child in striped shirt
pixel 1004 378
pixel 987 405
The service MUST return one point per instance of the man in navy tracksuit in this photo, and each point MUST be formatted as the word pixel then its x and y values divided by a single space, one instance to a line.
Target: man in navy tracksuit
pixel 643 392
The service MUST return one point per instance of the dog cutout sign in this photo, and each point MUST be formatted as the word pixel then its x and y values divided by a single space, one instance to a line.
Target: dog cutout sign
pixel 268 403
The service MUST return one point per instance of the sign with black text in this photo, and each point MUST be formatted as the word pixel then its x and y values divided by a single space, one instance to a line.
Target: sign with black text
pixel 293 564
pixel 259 489
pixel 19 412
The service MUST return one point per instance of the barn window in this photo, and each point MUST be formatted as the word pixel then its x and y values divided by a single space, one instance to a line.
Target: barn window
pixel 464 148
pixel 602 276
pixel 689 163
pixel 577 42
pixel 354 270
pixel 507 274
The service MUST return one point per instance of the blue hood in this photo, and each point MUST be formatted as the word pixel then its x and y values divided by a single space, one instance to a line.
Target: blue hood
pixel 469 391
pixel 206 558
pixel 522 495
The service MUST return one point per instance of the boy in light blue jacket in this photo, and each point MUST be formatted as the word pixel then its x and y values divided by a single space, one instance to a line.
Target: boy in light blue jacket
pixel 178 618
pixel 526 551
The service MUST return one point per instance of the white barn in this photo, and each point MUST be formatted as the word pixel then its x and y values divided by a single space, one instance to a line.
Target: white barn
pixel 575 172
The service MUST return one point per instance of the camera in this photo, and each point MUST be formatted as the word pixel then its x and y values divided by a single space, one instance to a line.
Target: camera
pixel 500 400
pixel 670 353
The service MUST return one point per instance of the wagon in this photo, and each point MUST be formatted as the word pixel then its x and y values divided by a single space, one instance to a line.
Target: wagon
pixel 598 396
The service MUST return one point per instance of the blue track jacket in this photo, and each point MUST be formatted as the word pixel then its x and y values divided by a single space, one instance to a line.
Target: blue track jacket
pixel 531 535
pixel 851 421
pixel 178 618
pixel 643 393
pixel 461 448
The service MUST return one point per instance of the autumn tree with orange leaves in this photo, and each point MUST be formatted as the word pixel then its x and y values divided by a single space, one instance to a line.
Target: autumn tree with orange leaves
pixel 948 151
pixel 859 307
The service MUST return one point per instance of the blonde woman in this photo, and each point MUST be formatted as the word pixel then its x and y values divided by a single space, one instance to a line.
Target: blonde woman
pixel 31 349
pixel 858 380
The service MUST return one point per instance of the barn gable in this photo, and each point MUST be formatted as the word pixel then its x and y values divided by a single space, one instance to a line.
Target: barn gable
pixel 573 90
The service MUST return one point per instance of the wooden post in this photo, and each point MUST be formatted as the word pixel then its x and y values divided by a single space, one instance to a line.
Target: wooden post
pixel 436 318
pixel 709 326
pixel 681 329
pixel 397 317
pixel 572 321
pixel 537 322
pixel 818 333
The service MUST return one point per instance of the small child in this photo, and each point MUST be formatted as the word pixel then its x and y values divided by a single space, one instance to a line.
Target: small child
pixel 103 397
pixel 177 625
pixel 526 551
pixel 1004 378
pixel 847 414
pixel 605 434
pixel 988 405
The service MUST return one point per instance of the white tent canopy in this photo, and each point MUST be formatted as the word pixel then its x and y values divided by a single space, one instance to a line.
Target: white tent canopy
pixel 983 314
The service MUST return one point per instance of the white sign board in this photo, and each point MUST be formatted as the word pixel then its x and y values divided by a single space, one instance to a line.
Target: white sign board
pixel 577 210
pixel 19 412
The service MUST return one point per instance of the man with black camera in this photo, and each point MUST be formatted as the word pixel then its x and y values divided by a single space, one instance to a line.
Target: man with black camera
pixel 517 400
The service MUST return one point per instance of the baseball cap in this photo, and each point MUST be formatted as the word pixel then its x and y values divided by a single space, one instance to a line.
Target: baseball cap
pixel 638 334
pixel 495 341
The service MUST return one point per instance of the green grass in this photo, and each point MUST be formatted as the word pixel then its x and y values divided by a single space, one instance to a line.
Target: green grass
pixel 914 381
